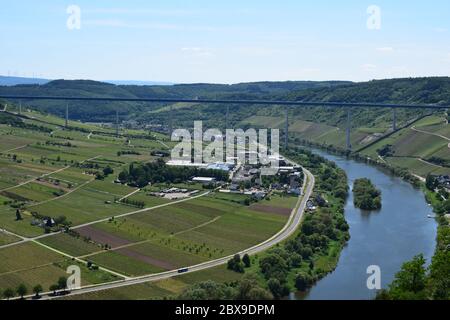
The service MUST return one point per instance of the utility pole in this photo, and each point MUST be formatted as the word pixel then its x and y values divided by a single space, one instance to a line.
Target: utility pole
pixel 67 115
pixel 349 145
pixel 20 107
pixel 286 129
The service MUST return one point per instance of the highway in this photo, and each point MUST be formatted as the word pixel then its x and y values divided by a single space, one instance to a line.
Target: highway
pixel 291 226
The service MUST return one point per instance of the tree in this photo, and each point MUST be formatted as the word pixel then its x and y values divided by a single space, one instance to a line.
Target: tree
pixel 236 264
pixel 274 266
pixel 259 293
pixel 54 288
pixel 124 176
pixel 22 290
pixel 8 293
pixel 107 171
pixel 37 290
pixel 409 282
pixel 277 289
pixel 303 281
pixel 249 289
pixel 439 277
pixel 62 283
pixel 431 182
pixel 208 290
pixel 18 215
pixel 246 260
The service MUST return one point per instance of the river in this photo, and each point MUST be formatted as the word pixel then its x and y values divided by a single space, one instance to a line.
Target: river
pixel 385 238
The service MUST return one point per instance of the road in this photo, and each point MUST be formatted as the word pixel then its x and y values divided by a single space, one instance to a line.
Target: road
pixel 290 227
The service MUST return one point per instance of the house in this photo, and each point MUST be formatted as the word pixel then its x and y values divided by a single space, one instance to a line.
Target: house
pixel 234 187
pixel 220 166
pixel 204 180
pixel 295 191
pixel 310 205
pixel 259 195
pixel 48 222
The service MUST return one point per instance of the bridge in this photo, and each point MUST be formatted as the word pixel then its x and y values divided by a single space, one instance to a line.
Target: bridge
pixel 286 103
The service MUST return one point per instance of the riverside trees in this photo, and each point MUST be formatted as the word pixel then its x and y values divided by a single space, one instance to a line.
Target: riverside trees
pixel 366 196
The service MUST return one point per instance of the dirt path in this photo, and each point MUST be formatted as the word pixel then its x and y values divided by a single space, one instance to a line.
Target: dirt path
pixel 432 134
pixel 14 149
pixel 44 175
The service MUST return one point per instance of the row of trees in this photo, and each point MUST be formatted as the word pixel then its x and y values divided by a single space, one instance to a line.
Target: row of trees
pixel 22 289
pixel 248 288
pixel 134 203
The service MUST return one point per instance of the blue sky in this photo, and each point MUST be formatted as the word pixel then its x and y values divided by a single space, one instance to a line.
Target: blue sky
pixel 225 42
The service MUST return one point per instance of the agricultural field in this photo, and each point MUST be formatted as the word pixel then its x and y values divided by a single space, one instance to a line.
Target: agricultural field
pixel 318 132
pixel 161 289
pixel 174 236
pixel 7 238
pixel 415 147
pixel 32 264
pixel 53 179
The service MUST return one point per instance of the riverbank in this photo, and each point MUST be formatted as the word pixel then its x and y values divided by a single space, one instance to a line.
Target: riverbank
pixel 314 250
pixel 404 209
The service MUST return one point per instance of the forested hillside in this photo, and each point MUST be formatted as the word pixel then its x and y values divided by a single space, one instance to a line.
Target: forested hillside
pixel 419 90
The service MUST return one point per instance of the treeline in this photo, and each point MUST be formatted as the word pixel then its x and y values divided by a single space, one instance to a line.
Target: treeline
pixel 248 288
pixel 365 195
pixel 67 144
pixel 135 203
pixel 140 175
pixel 127 152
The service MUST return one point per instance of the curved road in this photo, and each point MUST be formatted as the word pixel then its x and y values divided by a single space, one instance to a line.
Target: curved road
pixel 290 227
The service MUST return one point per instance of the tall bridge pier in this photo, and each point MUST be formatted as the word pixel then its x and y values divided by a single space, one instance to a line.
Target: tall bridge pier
pixel 286 129
pixel 67 116
pixel 394 119
pixel 227 118
pixel 117 123
pixel 170 120
pixel 349 126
